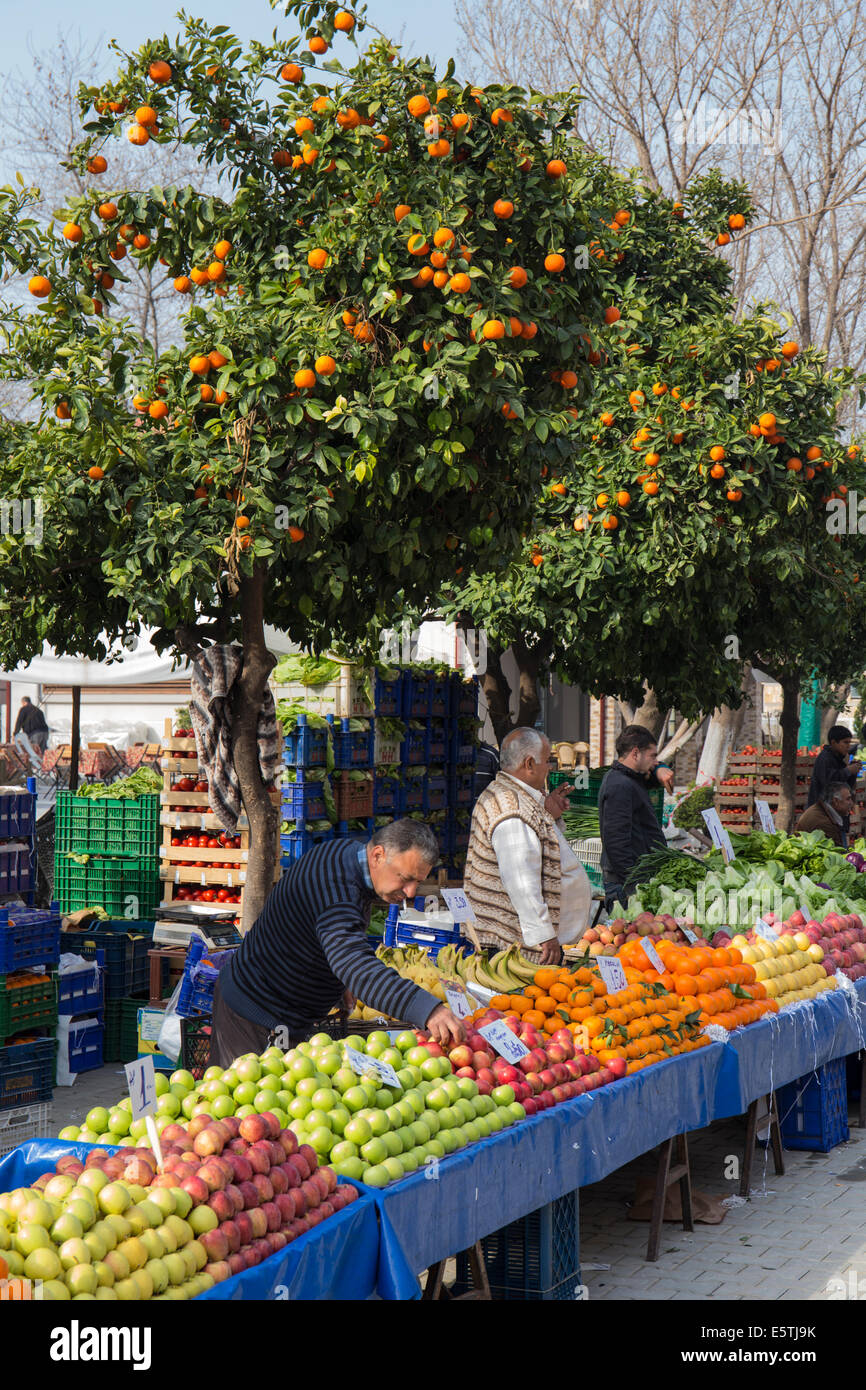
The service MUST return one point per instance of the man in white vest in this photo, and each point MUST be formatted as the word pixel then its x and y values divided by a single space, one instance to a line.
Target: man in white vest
pixel 525 884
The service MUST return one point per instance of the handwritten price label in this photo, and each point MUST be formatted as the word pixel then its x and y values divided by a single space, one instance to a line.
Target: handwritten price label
pixel 363 1065
pixel 457 1001
pixel 458 904
pixel 503 1041
pixel 765 930
pixel 612 973
pixel 141 1083
pixel 806 913
pixel 765 816
pixel 689 935
pixel 718 834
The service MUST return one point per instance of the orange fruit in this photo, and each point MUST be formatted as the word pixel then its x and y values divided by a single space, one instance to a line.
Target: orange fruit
pixel 384 143
pixel 206 392
pixel 508 412
pixel 794 465
pixel 622 218
pixel 610 523
pixel 503 208
pixel 418 106
pixel 305 379
pixel 440 279
pixel 292 72
pixel 460 121
pixel 717 453
pixel 325 365
pixel 140 403
pixel 460 283
pixel 145 115
pixel 317 259
pixel 555 169
pixel 97 164
pixel 157 410
pixel 736 221
pixel 623 498
pixel 717 471
pixel 568 380
pixel 723 238
pixel 310 154
pixel 221 250
pixel 216 271
pixel 62 410
pixel 296 534
pixel 438 259
pixel 734 494
pixel 107 211
pixel 95 472
pixel 72 232
pixel 607 418
pixel 344 22
pixel 517 277
pixel 554 263
pixel 602 499
pixel 39 286
pixel 416 245
pixel 317 44
pixel 493 329
pixel 767 422
pixel 216 359
pixel 199 364
pixel 401 210
pixel 501 115
pixel 790 350
pixel 438 149
pixel 140 241
pixel 363 332
pixel 529 330
pixel 612 314
pixel 159 71
pixel 651 488
pixel 221 397
pixel 443 237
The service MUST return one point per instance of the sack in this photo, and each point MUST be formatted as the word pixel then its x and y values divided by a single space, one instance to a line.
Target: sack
pixel 169 1040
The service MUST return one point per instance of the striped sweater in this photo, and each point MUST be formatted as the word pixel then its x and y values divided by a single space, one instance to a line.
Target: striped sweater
pixel 310 943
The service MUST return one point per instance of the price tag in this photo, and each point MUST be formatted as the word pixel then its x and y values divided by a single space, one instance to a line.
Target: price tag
pixel 230 880
pixel 612 973
pixel 765 930
pixel 458 904
pixel 506 1043
pixel 652 955
pixel 141 1083
pixel 204 822
pixel 689 935
pixel 177 824
pixel 457 1001
pixel 765 816
pixel 363 1065
pixel 718 834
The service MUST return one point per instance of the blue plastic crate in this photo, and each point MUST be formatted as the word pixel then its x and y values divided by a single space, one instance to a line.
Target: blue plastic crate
pixel 306 747
pixel 17 869
pixel 389 697
pixel 435 790
pixel 462 748
pixel 298 842
pixel 411 795
pixel 302 799
pixel 389 935
pixel 27 1073
pixel 440 697
pixel 417 695
pixel 459 834
pixel 342 831
pixel 386 795
pixel 17 815
pixel 351 750
pixel 29 936
pixel 125 945
pixel 813 1112
pixel 439 738
pixel 85 1046
pixel 429 939
pixel 414 750
pixel 536 1258
pixel 464 696
pixel 461 784
pixel 80 991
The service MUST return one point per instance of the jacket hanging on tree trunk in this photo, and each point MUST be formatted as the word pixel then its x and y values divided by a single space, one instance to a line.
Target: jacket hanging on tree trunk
pixel 214 674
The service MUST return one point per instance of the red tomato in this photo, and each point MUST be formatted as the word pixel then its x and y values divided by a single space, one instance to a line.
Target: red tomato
pixel 223 895
pixel 176 840
pixel 213 842
pixel 208 895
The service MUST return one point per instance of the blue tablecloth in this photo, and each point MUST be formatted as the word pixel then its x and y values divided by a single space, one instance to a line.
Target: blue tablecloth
pixel 338 1259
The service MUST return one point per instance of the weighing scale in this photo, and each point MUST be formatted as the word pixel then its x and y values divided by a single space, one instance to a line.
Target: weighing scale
pixel 177 923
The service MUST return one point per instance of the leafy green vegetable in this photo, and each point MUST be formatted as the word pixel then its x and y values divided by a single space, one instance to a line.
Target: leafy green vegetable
pixel 143 782
pixel 688 814
pixel 306 670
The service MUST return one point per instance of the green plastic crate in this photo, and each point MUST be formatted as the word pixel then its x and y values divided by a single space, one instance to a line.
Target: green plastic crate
pixel 108 883
pixel 588 796
pixel 27 1006
pixel 121 1030
pixel 117 826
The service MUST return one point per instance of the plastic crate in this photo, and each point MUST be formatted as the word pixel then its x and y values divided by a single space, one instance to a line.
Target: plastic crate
pixel 352 749
pixel 440 697
pixel 813 1112
pixel 389 696
pixel 458 841
pixel 17 815
pixel 417 695
pixel 108 883
pixel 462 747
pixel 464 696
pixel 429 939
pixel 588 795
pixel 343 831
pixel 27 1002
pixel 589 854
pixel 17 868
pixel 121 1030
pixel 108 825
pixel 414 748
pixel 195 1036
pixel 435 790
pixel 536 1258
pixel 22 1123
pixel 439 738
pixel 353 795
pixel 348 696
pixel 461 787
pixel 86 1038
pixel 27 1072
pixel 298 842
pixel 306 747
pixel 411 796
pixel 125 945
pixel 302 799
pixel 29 936
pixel 386 795
pixel 80 991
pixel 386 749
pixel 389 935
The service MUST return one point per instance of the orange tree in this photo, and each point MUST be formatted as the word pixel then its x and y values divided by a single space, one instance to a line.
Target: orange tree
pixel 392 278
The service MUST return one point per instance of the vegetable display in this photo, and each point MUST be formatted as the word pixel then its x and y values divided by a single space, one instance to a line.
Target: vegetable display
pixel 139 783
pixel 688 814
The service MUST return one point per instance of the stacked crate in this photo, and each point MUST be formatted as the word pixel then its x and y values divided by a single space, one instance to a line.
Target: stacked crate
pixel 18 842
pixel 120 837
pixel 29 949
pixel 81 1005
pixel 121 946
pixel 752 776
pixel 206 873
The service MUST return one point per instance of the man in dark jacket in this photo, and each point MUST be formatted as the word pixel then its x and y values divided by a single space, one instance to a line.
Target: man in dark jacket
pixel 831 813
pixel 627 820
pixel 832 762
pixel 31 721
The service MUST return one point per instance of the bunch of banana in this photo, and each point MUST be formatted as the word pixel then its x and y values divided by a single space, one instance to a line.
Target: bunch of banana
pixel 505 972
pixel 413 963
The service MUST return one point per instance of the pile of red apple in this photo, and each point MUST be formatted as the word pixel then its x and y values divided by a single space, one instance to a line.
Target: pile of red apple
pixel 842 938
pixel 553 1070
pixel 254 1189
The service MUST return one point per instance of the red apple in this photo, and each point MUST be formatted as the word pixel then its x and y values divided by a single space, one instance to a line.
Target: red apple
pixel 276 1240
pixel 215 1243
pixel 259 1222
pixel 238 1263
pixel 237 1145
pixel 233 1125
pixel 235 1196
pixel 219 1270
pixel 279 1181
pixel 250 1195
pixel 288 1142
pixel 299 1162
pixel 264 1187
pixel 305 1151
pixel 326 1209
pixel 486 1074
pixel 273 1124
pixel 484 1087
pixel 461 1057
pixel 254 1127
pixel 197 1124
pixel 222 1204
pixel 618 1066
pixel 241 1167
pixel 466 1071
pixel 212 1175
pixel 197 1189
pixel 232 1235
pixel 258 1158
pixel 274 1216
pixel 245 1227
pixel 311 1192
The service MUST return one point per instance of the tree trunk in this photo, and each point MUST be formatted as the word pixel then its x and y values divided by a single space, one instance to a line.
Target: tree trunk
pixel 648 714
pixel 723 733
pixel 833 712
pixel 788 771
pixel 528 665
pixel 497 693
pixel 683 733
pixel 75 738
pixel 249 693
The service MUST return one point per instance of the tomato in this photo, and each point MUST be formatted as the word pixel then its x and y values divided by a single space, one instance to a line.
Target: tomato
pixel 176 840
pixel 223 895
pixel 201 786
pixel 208 895
pixel 213 842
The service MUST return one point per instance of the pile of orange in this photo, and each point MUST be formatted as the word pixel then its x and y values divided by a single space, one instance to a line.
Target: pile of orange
pixel 716 982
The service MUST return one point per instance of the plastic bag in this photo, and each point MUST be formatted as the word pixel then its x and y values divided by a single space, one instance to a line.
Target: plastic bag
pixel 169 1041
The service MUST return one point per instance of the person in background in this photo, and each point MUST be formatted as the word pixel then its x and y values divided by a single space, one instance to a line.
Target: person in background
pixel 309 949
pixel 831 813
pixel 833 762
pixel 31 721
pixel 525 884
pixel 627 820
pixel 486 768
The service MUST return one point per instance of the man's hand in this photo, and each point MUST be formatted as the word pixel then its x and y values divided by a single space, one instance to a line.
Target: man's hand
pixel 348 1001
pixel 551 952
pixel 556 802
pixel 445 1027
pixel 666 777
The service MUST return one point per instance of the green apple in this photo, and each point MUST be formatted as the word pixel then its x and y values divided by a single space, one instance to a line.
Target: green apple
pixel 393 1143
pixel 378 1121
pixel 417 1055
pixel 350 1168
pixel 264 1101
pixel 300 1107
pixel 119 1122
pixel 182 1201
pixel 30 1237
pixel 405 1041
pixel 339 1117
pixel 43 1264
pixel 69 1133
pixel 104 1275
pixel 409 1161
pixel 40 1212
pixel 355 1098
pixel 74 1252
pixel 203 1219
pixel 105 1294
pixel 55 1291
pixel 161 1083
pixel 451 1087
pixel 182 1078
pixel 374 1151
pixel 181 1228
pixel 96 1245
pixel 394 1168
pixel 134 1251
pixel 127 1290
pixel 301 1068
pixel 437 1099
pixel 285 1098
pixel 94 1179
pixel 280 1116
pixel 119 1225
pixel 472 1132
pixel 431 1120
pixel 341 1152
pixel 420 1131
pixel 167 1237
pixel 66 1227
pixel 81 1279
pixel 321 1139
pixel 107 1233
pixel 516 1110
pixel 448 1140
pixel 406 1137
pixel 464 1109
pixel 210 1073
pixel 138 1128
pixel 244 1110
pixel 316 1118
pixel 466 1086
pixel 152 1242
pixel 168 1104
pixel 186 1106
pixel 376 1176
pixel 343 1079
pixel 270 1083
pixel 158 1273
pixel 330 1062
pixel 96 1120
pixel 118 1264
pixel 325 1098
pixel 358 1131
pixel 223 1106
pixel 393 1056
pixel 245 1092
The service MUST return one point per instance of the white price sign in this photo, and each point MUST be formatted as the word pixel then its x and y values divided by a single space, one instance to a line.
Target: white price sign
pixel 363 1065
pixel 805 911
pixel 506 1043
pixel 765 816
pixel 718 834
pixel 612 973
pixel 652 955
pixel 689 935
pixel 765 930
pixel 458 904
pixel 141 1083
pixel 457 1001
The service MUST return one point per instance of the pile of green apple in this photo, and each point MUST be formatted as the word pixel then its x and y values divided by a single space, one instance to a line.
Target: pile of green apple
pixel 365 1130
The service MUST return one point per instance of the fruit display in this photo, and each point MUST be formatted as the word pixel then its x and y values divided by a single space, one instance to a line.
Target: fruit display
pixel 841 938
pixel 505 970
pixel 554 1070
pixel 230 1193
pixel 721 985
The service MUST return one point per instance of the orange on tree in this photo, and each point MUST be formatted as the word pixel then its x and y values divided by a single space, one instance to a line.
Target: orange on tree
pixel 503 207
pixel 736 221
pixel 159 71
pixel 73 232
pixel 418 105
pixel 157 410
pixel 199 364
pixel 612 314
pixel 317 259
pixel 493 330
pixel 39 286
pixel 344 21
pixel 401 210
pixel 554 263
pixel 97 164
pixel 517 277
pixel 292 72
pixel 555 168
pixel 318 45
pixel 325 365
